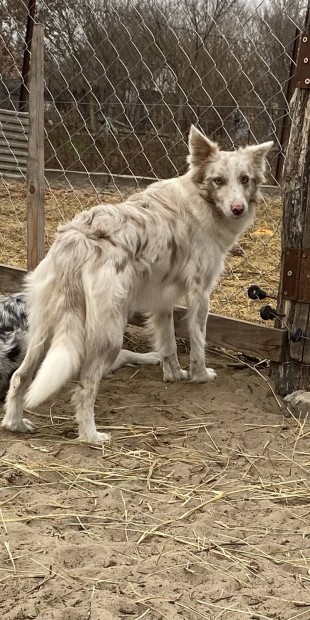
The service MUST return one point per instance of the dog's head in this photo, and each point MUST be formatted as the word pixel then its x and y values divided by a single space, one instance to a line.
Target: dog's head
pixel 227 180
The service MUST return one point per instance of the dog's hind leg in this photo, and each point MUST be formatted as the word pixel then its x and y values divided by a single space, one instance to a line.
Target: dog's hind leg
pixel 131 358
pixel 85 394
pixel 20 381
pixel 162 328
pixel 99 358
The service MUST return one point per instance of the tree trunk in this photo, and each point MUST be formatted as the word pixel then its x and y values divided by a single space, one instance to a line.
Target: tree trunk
pixel 294 373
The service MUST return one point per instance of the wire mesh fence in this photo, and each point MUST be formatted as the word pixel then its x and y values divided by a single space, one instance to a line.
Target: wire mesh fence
pixel 123 83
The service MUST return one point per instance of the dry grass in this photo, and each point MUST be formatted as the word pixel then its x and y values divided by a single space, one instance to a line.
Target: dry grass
pixel 258 265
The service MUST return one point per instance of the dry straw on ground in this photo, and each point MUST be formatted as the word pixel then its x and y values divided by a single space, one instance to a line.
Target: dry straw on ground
pixel 257 264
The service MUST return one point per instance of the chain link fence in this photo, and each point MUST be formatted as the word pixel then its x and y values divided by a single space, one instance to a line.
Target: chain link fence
pixel 123 83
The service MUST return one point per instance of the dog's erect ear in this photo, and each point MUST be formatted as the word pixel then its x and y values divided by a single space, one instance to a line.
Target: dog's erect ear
pixel 200 147
pixel 258 152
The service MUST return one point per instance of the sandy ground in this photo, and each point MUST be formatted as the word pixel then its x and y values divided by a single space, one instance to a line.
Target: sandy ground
pixel 198 508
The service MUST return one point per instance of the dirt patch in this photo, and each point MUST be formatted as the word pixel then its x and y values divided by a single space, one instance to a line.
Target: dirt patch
pixel 198 508
pixel 258 262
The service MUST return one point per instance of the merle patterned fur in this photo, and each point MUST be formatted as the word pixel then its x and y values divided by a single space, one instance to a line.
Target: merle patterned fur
pixel 13 337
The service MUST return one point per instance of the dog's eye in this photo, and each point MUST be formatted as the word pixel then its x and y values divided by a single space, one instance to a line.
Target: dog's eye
pixel 218 181
pixel 245 179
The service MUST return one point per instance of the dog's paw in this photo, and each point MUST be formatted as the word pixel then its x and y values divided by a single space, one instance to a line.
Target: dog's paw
pixel 20 426
pixel 174 375
pixel 299 401
pixel 95 438
pixel 207 374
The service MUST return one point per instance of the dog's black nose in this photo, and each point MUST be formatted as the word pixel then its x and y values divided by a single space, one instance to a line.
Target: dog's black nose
pixel 237 208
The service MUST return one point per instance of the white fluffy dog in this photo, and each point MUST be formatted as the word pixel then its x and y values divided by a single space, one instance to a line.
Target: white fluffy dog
pixel 168 241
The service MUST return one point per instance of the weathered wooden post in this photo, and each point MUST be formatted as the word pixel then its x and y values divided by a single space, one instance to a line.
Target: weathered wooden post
pixel 35 168
pixel 24 94
pixel 294 293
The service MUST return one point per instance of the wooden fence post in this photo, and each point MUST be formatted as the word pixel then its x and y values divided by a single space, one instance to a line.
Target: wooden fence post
pixel 24 93
pixel 294 293
pixel 35 166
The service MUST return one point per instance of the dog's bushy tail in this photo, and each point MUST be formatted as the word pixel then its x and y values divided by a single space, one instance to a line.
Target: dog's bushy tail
pixel 61 363
pixel 57 319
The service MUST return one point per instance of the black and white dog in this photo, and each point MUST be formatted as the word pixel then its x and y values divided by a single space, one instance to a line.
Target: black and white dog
pixel 13 337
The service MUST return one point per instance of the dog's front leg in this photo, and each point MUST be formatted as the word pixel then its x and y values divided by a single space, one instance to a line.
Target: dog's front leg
pixel 162 328
pixel 198 308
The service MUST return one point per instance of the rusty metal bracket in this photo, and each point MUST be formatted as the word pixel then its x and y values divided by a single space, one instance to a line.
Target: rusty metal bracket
pixel 302 75
pixel 296 275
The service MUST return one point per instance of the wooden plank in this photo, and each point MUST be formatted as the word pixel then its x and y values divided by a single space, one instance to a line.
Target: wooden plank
pixel 13 135
pixel 22 115
pixel 243 336
pixel 13 167
pixel 11 158
pixel 13 152
pixel 12 122
pixel 17 127
pixel 14 144
pixel 11 278
pixel 7 169
pixel 13 163
pixel 35 169
pixel 12 174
